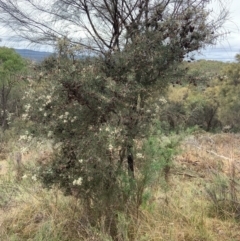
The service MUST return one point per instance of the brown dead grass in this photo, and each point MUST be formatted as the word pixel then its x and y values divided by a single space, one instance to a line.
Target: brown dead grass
pixel 3 167
pixel 207 152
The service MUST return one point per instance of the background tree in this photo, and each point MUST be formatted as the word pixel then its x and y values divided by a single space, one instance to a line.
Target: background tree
pixel 237 57
pixel 229 82
pixel 11 65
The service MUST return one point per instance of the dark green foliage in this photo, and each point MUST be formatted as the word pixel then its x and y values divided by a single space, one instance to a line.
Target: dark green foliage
pixel 207 96
pixel 229 90
pixel 197 108
pixel 11 65
pixel 10 61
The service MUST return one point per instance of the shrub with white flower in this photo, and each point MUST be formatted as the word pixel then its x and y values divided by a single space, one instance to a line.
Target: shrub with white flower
pixel 93 116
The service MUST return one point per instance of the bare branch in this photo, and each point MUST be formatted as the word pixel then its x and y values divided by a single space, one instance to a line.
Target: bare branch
pixel 110 25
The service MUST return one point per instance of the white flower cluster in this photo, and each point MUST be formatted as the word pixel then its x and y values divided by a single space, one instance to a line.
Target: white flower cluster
pixel 139 156
pixel 50 134
pixel 113 135
pixel 9 116
pixel 27 108
pixel 111 84
pixel 162 100
pixel 28 93
pixel 45 100
pixel 26 137
pixel 88 70
pixel 25 116
pixel 78 182
pixel 67 118
pixel 114 131
pixel 48 99
pixel 34 178
pixel 105 99
pixel 24 176
pixel 110 147
pixel 157 108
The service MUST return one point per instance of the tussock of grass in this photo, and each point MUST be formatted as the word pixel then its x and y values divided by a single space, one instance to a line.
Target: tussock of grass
pixel 39 214
pixel 182 212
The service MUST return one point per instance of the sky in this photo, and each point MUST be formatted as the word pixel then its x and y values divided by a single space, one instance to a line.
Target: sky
pixel 225 49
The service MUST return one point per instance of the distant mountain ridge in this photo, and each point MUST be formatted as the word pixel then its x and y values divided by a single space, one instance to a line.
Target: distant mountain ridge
pixel 39 56
pixel 33 55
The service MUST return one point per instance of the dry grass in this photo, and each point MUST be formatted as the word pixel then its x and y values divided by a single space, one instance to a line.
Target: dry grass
pixel 206 152
pixel 183 216
pixel 183 212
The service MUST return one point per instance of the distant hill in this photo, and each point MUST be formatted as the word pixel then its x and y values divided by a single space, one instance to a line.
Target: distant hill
pixel 33 55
